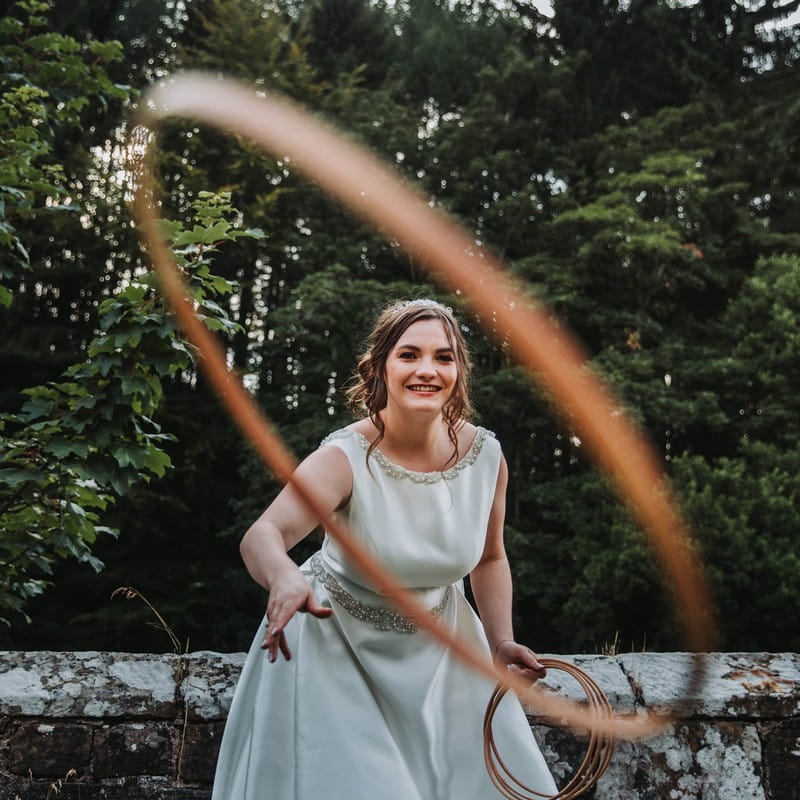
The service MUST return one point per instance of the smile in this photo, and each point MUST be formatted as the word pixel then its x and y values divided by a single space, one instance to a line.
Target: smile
pixel 424 388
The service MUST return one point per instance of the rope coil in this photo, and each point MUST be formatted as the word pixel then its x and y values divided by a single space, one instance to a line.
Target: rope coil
pixel 598 752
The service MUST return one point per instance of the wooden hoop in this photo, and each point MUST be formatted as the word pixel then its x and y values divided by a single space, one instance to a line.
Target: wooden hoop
pixel 374 191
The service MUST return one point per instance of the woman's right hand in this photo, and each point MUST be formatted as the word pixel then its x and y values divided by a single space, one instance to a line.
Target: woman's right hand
pixel 326 473
pixel 290 593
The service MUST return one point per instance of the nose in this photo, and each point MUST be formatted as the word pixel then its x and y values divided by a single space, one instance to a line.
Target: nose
pixel 426 368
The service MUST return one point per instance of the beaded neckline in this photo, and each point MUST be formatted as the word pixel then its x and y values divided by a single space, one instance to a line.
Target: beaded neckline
pixel 398 472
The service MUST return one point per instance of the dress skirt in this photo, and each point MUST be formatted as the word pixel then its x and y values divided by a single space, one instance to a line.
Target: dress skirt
pixel 360 712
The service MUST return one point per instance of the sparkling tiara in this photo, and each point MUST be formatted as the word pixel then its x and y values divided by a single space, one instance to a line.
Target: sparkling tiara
pixel 422 303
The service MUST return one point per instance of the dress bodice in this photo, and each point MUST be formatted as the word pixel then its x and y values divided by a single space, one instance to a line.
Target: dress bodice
pixel 427 528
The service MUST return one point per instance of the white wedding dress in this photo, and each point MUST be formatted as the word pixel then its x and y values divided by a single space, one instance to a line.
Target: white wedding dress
pixel 368 709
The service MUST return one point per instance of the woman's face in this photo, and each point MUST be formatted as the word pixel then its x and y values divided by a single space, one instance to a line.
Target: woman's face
pixel 421 368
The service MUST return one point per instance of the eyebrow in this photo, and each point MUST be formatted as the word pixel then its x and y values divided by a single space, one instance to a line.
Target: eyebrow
pixel 418 349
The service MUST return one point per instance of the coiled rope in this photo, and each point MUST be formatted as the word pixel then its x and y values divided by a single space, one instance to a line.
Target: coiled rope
pixel 598 751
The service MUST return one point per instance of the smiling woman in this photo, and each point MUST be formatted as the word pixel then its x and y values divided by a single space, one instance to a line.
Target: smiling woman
pixel 415 349
pixel 362 704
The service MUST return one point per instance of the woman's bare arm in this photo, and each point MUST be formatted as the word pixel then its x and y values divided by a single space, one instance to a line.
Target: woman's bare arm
pixel 492 589
pixel 285 522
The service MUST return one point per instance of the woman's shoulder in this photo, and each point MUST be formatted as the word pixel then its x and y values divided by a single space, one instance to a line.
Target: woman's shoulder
pixel 471 436
pixel 359 433
pixel 471 429
pixel 345 438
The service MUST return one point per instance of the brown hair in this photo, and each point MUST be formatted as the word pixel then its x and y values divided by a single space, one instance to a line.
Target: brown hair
pixel 368 395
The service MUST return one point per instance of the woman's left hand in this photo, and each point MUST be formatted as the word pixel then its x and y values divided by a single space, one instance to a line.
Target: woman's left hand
pixel 520 659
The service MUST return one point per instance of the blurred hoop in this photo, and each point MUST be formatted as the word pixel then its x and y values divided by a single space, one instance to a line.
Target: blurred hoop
pixel 524 327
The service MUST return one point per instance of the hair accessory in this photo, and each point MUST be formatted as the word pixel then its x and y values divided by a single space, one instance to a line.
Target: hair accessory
pixel 422 302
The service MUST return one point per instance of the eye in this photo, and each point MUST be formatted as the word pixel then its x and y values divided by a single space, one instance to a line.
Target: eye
pixel 446 357
pixel 407 355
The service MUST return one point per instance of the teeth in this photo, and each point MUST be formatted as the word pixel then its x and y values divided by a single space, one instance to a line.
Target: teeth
pixel 428 389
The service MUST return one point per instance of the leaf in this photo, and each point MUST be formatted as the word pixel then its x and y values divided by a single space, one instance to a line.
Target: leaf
pixel 16 477
pixel 108 51
pixel 221 285
pixel 37 407
pixel 128 455
pixel 61 448
pixel 158 462
pixel 23 253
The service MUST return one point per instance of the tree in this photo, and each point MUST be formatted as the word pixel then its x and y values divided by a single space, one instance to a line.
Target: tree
pixel 79 444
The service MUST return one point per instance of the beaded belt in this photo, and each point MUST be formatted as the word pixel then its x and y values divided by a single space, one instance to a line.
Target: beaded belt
pixel 382 618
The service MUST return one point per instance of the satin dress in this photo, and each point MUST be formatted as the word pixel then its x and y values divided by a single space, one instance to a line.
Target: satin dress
pixel 368 707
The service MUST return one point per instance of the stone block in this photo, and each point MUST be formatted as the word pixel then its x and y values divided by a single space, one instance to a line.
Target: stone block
pixel 88 684
pixel 688 761
pixel 69 789
pixel 605 670
pixel 49 751
pixel 198 758
pixel 749 685
pixel 563 750
pixel 135 748
pixel 145 789
pixel 782 760
pixel 209 680
pixel 14 787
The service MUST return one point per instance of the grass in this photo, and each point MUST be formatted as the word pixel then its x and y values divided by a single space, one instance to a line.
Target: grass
pixel 129 593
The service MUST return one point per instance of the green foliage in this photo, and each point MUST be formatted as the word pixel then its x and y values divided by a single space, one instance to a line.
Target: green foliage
pixel 744 511
pixel 762 369
pixel 46 82
pixel 79 444
pixel 446 46
pixel 351 40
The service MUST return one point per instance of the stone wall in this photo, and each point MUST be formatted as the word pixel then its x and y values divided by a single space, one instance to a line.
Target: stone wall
pixel 87 726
